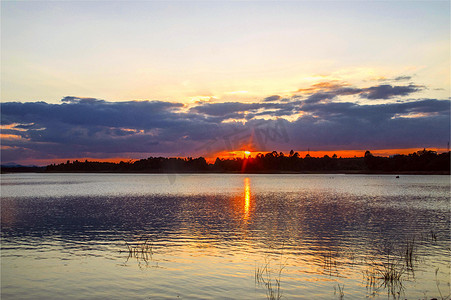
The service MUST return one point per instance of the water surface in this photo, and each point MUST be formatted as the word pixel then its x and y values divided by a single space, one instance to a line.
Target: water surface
pixel 223 236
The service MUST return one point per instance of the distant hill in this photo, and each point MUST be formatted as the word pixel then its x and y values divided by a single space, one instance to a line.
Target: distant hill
pixel 17 168
pixel 16 165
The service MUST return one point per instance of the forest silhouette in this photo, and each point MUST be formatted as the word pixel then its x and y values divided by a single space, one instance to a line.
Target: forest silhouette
pixel 423 161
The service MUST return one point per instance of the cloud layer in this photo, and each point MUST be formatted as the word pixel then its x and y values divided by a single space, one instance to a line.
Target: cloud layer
pixel 316 118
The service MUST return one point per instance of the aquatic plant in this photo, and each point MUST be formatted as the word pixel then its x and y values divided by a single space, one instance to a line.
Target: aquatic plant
pixel 265 275
pixel 409 253
pixel 270 277
pixel 433 236
pixel 140 250
pixel 387 275
pixel 340 289
pixel 330 264
pixel 437 282
pixel 391 273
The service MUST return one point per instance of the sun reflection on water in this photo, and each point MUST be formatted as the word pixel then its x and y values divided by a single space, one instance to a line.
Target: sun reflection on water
pixel 247 197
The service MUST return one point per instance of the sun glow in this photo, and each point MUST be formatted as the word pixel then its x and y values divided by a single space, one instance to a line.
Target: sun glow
pixel 247 153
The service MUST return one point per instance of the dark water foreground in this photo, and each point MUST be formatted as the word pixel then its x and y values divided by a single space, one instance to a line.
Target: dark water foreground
pixel 224 236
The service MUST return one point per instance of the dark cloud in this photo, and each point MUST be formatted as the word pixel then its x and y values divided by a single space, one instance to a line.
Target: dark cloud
pixel 79 128
pixel 402 78
pixel 345 91
pixel 423 123
pixel 320 96
pixel 238 109
pixel 272 98
pixel 88 127
pixel 71 99
pixel 398 78
pixel 224 109
pixel 287 99
pixel 327 91
pixel 386 91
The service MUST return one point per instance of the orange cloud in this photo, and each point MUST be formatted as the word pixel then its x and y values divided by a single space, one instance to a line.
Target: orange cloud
pixel 5 136
pixel 324 86
pixel 13 127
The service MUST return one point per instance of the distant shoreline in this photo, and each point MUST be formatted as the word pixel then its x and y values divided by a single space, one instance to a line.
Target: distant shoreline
pixel 337 172
pixel 423 162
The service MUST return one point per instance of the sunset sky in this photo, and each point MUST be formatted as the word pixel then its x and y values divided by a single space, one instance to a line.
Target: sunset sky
pixel 128 80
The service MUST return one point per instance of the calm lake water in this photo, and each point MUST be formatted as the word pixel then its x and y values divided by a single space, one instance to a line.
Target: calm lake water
pixel 224 236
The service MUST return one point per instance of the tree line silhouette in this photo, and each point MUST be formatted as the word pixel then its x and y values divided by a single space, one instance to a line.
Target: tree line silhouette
pixel 273 162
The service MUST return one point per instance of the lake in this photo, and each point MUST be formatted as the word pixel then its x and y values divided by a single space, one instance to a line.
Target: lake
pixel 224 236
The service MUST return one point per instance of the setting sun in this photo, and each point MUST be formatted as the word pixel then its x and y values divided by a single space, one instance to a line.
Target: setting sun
pixel 247 153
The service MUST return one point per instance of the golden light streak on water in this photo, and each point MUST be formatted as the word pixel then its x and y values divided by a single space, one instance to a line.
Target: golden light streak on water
pixel 247 197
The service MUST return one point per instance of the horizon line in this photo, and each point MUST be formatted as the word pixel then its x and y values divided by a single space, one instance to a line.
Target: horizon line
pixel 237 154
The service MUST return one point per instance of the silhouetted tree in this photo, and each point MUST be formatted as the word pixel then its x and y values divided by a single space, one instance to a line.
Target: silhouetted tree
pixel 423 160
